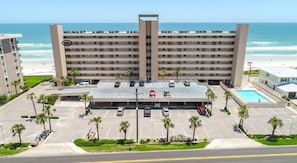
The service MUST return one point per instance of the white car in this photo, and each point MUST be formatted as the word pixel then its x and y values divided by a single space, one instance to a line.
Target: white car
pixel 171 83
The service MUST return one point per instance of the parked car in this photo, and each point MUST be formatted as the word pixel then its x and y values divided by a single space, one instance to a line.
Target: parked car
pixel 117 84
pixel 165 111
pixel 166 93
pixel 187 83
pixel 141 83
pixel 152 93
pixel 120 111
pixel 201 110
pixel 147 112
pixel 132 83
pixel 171 83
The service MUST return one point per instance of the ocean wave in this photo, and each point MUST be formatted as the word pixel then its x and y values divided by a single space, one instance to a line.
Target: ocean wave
pixel 272 48
pixel 51 60
pixel 273 55
pixel 34 45
pixel 36 51
pixel 263 43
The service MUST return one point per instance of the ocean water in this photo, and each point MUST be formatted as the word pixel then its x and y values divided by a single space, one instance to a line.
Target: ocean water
pixel 266 41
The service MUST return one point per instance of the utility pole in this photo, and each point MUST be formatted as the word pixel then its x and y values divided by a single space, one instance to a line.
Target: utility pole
pixel 136 115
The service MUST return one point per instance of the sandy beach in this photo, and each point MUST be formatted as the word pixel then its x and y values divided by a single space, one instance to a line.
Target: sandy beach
pixel 38 68
pixel 270 63
pixel 48 68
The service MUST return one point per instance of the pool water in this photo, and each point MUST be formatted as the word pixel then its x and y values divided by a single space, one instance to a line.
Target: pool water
pixel 252 96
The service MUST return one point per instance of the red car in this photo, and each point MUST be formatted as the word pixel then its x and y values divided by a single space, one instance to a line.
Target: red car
pixel 152 93
pixel 201 110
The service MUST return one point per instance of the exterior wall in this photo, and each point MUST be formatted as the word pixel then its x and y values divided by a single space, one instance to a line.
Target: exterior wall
pixel 58 51
pixel 201 55
pixel 239 54
pixel 10 64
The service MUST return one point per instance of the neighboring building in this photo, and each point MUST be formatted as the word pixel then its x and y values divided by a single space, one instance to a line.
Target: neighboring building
pixel 207 56
pixel 281 79
pixel 10 64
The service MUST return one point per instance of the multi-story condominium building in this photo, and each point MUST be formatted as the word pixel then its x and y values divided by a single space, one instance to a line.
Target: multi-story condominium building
pixel 152 55
pixel 10 64
pixel 281 79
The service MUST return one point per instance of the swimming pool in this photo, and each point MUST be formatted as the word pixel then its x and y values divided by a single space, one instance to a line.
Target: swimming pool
pixel 252 96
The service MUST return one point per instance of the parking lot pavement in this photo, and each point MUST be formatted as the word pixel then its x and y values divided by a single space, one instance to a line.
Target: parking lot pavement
pixel 71 125
pixel 257 123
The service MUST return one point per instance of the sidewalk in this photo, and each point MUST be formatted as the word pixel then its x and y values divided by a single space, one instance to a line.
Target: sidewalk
pixel 62 149
pixel 233 143
pixel 52 149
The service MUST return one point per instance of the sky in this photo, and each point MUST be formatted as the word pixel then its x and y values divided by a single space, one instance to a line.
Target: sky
pixel 96 11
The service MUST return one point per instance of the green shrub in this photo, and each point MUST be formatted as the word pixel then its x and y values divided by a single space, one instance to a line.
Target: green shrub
pixel 144 141
pixel 24 116
pixel 178 138
pixel 54 117
pixel 52 99
pixel 209 111
pixel 256 136
pixel 205 139
pixel 127 141
pixel 228 111
pixel 15 145
pixel 3 99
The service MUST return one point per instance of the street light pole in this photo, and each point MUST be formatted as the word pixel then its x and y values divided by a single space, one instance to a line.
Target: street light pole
pixel 1 125
pixel 293 117
pixel 250 65
pixel 136 115
pixel 152 121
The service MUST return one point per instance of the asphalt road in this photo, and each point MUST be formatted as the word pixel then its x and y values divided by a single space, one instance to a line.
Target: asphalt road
pixel 267 154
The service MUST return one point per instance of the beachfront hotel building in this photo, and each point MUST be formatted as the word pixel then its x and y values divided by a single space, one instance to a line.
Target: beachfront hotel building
pixel 207 56
pixel 10 64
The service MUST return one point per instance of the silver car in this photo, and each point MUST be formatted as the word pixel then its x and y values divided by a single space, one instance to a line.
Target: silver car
pixel 165 111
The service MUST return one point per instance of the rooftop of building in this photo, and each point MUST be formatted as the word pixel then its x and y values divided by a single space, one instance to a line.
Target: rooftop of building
pixel 160 32
pixel 105 91
pixel 280 71
pixel 288 87
pixel 8 36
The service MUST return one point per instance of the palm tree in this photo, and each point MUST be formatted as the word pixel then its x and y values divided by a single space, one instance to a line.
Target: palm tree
pixel 64 81
pixel 274 121
pixel 177 71
pixel 228 96
pixel 167 124
pixel 243 113
pixel 163 73
pixel 129 73
pixel 17 129
pixel 90 99
pixel 43 99
pixel 84 97
pixel 97 121
pixel 195 122
pixel 32 96
pixel 73 72
pixel 49 112
pixel 40 119
pixel 208 92
pixel 212 97
pixel 124 127
pixel 15 83
pixel 119 76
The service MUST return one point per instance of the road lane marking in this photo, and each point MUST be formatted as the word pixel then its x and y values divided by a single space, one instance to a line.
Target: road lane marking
pixel 198 158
